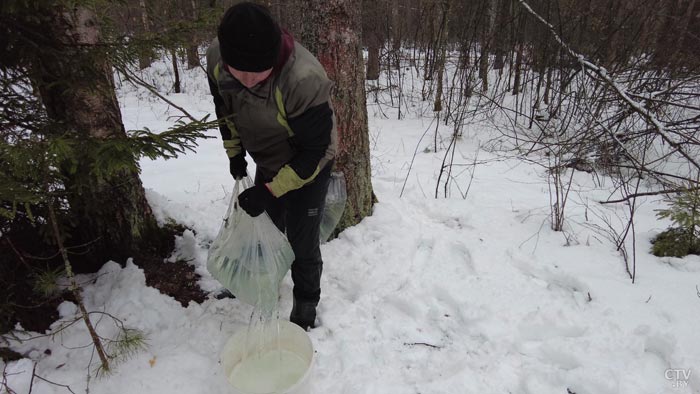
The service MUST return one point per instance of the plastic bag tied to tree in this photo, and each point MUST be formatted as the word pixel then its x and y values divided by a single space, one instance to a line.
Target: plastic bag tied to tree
pixel 334 205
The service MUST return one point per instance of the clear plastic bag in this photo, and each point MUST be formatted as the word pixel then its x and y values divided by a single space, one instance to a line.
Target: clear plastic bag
pixel 250 256
pixel 334 205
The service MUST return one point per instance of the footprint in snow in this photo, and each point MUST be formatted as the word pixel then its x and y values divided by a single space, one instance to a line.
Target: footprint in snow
pixel 554 280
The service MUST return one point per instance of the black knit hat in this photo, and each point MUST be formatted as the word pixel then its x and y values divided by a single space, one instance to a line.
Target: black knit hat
pixel 249 38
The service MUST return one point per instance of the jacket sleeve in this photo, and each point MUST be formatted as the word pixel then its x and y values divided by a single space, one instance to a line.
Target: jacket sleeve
pixel 310 117
pixel 229 134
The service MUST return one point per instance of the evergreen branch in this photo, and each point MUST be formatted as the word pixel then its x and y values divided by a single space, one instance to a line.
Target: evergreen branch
pixel 128 343
pixel 112 156
pixel 46 282
pixel 169 144
pixel 28 159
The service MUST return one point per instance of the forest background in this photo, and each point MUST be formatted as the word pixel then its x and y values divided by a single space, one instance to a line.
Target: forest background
pixel 609 88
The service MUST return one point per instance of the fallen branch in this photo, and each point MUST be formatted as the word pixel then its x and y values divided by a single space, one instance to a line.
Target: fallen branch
pixel 3 382
pixel 421 344
pixel 646 194
pixel 602 73
pixel 55 384
pixel 75 289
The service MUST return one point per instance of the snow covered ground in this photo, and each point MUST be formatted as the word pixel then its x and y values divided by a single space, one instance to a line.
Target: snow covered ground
pixel 449 295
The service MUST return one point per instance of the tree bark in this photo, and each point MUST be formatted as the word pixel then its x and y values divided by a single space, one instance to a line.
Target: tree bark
pixel 373 61
pixel 193 49
pixel 501 40
pixel 429 66
pixel 485 41
pixel 396 30
pixel 442 48
pixel 373 36
pixel 145 57
pixel 519 47
pixel 176 72
pixel 337 25
pixel 110 213
pixel 192 57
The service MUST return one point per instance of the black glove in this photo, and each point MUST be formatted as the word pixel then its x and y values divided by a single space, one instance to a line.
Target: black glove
pixel 255 200
pixel 237 166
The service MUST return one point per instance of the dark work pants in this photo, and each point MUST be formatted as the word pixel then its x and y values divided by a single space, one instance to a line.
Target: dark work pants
pixel 299 213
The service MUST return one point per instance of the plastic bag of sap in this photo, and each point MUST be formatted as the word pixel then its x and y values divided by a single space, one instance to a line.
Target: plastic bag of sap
pixel 250 256
pixel 334 205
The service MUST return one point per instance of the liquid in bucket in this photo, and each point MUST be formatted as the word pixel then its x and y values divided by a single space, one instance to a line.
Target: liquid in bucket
pixel 277 360
pixel 269 372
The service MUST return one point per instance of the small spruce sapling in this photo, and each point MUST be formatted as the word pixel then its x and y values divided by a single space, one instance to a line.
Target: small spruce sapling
pixel 683 237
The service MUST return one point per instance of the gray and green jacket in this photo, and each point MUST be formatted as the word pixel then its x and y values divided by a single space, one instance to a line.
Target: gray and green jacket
pixel 285 123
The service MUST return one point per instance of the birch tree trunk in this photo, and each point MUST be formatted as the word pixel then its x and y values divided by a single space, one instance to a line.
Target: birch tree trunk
pixel 336 43
pixel 176 72
pixel 519 48
pixel 486 38
pixel 111 213
pixel 442 48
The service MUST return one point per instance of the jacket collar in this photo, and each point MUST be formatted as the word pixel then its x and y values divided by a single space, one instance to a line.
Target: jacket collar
pixel 286 50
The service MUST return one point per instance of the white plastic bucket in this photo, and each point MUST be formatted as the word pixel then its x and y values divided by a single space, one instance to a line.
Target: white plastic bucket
pixel 292 338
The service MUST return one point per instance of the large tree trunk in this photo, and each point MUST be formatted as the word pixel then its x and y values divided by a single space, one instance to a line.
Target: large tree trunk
pixel 110 213
pixel 337 46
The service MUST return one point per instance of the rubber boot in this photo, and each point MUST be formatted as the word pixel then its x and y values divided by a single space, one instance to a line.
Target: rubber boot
pixel 303 314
